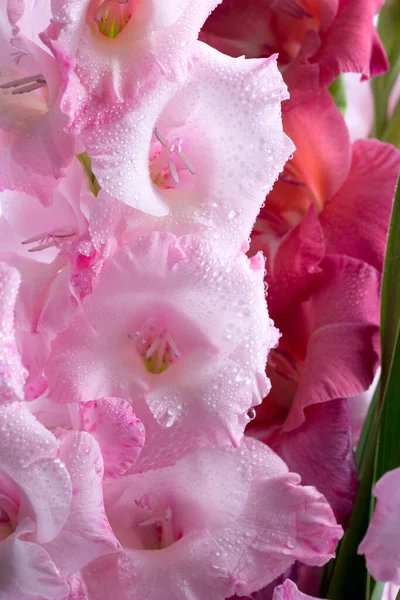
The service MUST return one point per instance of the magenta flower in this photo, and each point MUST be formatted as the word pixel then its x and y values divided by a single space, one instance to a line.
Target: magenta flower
pixel 330 37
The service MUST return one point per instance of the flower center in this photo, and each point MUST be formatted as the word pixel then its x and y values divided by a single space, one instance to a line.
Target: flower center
pixel 56 237
pixel 25 84
pixel 167 159
pixel 284 364
pixel 112 16
pixel 156 346
pixel 6 526
pixel 153 523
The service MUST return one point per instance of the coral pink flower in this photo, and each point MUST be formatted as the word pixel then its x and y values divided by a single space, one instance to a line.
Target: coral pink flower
pixel 32 134
pixel 219 521
pixel 174 324
pixel 12 373
pixel 337 35
pixel 323 290
pixel 52 520
pixel 381 544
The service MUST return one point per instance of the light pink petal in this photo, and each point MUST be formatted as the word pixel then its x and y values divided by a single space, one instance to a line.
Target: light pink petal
pixel 45 304
pixel 79 345
pixel 306 529
pixel 118 431
pixel 86 535
pixel 28 458
pixel 343 349
pixel 12 373
pixel 26 570
pixel 321 452
pixel 289 591
pixel 134 575
pixel 381 544
pixel 356 220
pixel 28 217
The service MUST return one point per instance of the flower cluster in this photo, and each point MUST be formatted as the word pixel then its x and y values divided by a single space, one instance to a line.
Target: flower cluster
pixel 134 326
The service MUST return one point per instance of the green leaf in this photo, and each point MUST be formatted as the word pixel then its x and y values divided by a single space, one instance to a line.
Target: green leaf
pixel 338 92
pixel 390 299
pixel 349 580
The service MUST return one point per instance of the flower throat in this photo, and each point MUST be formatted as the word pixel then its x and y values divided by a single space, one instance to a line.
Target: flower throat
pixel 112 16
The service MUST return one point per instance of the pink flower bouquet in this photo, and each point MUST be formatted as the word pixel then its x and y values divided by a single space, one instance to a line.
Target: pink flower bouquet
pixel 198 300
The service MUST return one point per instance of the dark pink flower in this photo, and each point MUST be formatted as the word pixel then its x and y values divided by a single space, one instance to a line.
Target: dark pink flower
pixel 324 268
pixel 336 36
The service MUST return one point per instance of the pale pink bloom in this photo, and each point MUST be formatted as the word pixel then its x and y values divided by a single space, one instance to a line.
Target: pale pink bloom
pixel 35 147
pixel 289 591
pixel 52 519
pixel 219 521
pixel 381 544
pixel 194 158
pixel 201 167
pixel 174 324
pixel 322 37
pixel 12 373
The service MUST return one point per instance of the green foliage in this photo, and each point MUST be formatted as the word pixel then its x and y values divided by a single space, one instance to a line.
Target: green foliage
pixel 338 92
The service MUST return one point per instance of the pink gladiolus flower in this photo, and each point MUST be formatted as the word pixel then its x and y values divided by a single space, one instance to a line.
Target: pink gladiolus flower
pixel 381 544
pixel 335 36
pixel 217 522
pixel 204 169
pixel 160 326
pixel 52 520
